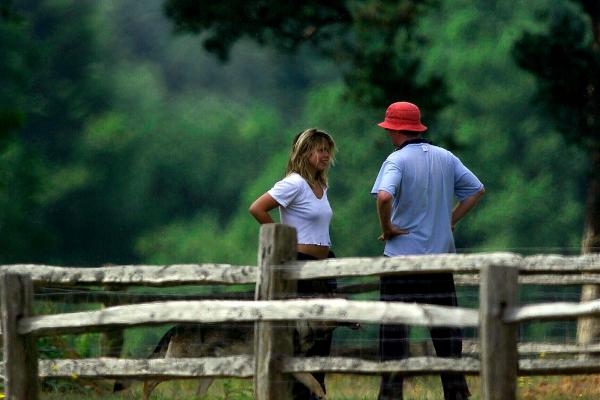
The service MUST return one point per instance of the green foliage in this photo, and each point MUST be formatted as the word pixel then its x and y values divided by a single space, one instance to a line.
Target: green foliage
pixel 47 87
pixel 566 62
pixel 21 193
pixel 198 240
pixel 15 68
pixel 175 166
pixel 373 41
pixel 234 391
pixel 499 135
pixel 53 76
pixel 285 24
pixel 386 56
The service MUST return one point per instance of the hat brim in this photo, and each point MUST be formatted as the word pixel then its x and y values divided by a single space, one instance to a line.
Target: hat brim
pixel 403 127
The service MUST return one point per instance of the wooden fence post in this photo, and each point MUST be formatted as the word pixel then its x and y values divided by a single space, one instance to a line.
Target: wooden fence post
pixel 273 341
pixel 20 353
pixel 588 328
pixel 499 355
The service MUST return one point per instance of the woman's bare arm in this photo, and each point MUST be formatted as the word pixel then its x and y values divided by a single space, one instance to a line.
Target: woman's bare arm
pixel 261 207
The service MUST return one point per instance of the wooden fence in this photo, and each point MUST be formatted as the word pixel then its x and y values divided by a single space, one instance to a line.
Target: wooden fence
pixel 273 312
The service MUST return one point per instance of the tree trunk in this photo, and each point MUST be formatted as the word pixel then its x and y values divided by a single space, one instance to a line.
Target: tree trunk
pixel 588 329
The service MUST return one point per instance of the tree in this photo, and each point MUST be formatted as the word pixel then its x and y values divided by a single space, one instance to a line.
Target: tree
pixel 375 42
pixel 47 88
pixel 519 155
pixel 566 62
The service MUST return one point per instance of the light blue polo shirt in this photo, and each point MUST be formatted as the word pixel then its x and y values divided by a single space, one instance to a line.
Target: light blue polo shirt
pixel 424 180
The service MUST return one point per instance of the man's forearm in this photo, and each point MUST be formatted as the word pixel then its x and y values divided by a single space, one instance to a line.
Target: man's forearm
pixel 384 210
pixel 465 206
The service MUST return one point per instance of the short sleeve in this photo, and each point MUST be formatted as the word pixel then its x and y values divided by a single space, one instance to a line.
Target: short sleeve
pixel 388 179
pixel 286 190
pixel 466 183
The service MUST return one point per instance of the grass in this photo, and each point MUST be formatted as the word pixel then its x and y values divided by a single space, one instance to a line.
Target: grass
pixel 341 387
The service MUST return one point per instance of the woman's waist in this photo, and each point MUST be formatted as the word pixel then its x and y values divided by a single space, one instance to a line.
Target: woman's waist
pixel 316 250
pixel 312 236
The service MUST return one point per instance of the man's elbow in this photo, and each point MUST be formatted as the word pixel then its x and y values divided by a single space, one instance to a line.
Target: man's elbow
pixel 477 196
pixel 481 193
pixel 474 198
pixel 383 197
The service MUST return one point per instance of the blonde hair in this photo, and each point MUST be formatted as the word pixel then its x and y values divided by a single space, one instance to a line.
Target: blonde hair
pixel 303 145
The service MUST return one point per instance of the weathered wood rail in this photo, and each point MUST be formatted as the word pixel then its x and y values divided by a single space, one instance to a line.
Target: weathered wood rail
pixel 498 275
pixel 539 269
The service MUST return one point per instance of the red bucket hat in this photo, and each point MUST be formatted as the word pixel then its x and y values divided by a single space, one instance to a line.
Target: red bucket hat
pixel 403 116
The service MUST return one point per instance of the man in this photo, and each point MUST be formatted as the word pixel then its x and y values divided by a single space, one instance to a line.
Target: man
pixel 416 189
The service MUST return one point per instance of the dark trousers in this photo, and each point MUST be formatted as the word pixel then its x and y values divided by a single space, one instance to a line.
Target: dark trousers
pixel 322 344
pixel 435 289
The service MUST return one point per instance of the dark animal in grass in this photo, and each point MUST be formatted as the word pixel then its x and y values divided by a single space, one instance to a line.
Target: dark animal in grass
pixel 211 340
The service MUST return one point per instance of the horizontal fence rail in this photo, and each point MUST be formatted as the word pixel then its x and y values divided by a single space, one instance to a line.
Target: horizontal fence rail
pixel 558 264
pixel 151 275
pixel 547 311
pixel 233 366
pixel 242 367
pixel 213 311
pixel 471 347
pixel 184 274
pixel 379 266
pixel 427 365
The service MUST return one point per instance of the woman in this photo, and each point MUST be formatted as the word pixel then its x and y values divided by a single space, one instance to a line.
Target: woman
pixel 302 201
pixel 302 195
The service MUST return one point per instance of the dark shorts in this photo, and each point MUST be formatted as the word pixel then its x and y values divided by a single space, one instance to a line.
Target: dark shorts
pixel 316 287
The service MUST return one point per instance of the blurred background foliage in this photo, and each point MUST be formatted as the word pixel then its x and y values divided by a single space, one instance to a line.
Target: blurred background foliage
pixel 122 141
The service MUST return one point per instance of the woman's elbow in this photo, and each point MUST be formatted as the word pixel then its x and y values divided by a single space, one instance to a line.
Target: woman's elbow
pixel 253 209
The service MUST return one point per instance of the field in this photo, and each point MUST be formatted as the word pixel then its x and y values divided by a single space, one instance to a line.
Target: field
pixel 340 387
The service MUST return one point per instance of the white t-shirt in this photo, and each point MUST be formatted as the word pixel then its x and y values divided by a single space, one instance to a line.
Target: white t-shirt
pixel 300 208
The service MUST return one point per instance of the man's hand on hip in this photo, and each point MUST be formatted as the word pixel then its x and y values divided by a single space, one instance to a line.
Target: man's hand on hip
pixel 384 210
pixel 391 232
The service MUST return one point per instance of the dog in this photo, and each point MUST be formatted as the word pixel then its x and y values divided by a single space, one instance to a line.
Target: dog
pixel 212 340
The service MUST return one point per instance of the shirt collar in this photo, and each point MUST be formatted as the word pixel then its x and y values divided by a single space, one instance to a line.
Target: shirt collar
pixel 412 141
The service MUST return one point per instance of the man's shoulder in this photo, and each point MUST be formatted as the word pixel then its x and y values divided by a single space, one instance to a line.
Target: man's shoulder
pixel 443 152
pixel 440 149
pixel 397 157
pixel 409 153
